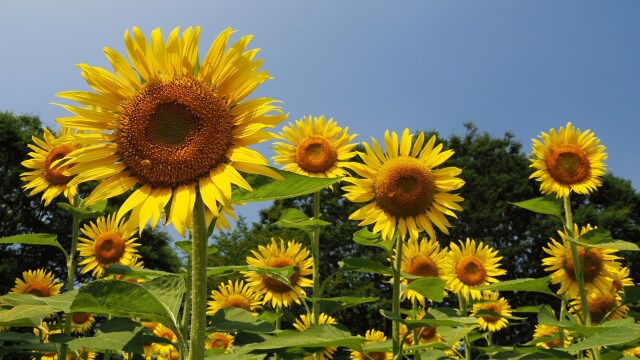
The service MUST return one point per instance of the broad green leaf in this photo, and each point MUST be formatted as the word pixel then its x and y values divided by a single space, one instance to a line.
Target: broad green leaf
pixel 537 285
pixel 364 265
pixel 367 238
pixel 543 205
pixel 34 239
pixel 293 185
pixel 331 305
pixel 294 218
pixel 233 319
pixel 119 334
pixel 317 337
pixel 613 336
pixel 631 294
pixel 601 238
pixel 218 356
pixel 430 320
pixel 89 212
pixel 26 315
pixel 18 337
pixel 429 287
pixel 168 290
pixel 135 273
pixel 225 270
pixel 282 274
pixel 533 353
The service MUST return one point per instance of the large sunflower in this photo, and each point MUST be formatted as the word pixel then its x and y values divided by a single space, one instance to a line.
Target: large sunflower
pixel 491 301
pixel 47 175
pixel 471 265
pixel 421 258
pixel 372 336
pixel 600 265
pixel 41 283
pixel 314 147
pixel 108 241
pixel 239 295
pixel 568 160
pixel 404 187
pixel 304 322
pixel 277 256
pixel 171 124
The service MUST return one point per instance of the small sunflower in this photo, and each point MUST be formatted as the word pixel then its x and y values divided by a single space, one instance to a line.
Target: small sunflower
pixel 421 258
pixel 600 265
pixel 108 241
pixel 602 307
pixel 304 322
pixel 471 265
pixel 634 351
pixel 43 331
pixel 373 336
pixel 404 188
pixel 81 322
pixel 621 279
pixel 493 302
pixel 162 348
pixel 426 335
pixel 277 256
pixel 568 160
pixel 314 147
pixel 551 335
pixel 40 283
pixel 47 174
pixel 239 295
pixel 171 124
pixel 219 340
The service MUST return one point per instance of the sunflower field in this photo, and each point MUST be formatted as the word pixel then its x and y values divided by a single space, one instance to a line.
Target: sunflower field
pixel 170 128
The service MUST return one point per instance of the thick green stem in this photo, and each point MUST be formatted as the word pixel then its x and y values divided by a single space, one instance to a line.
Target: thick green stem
pixel 578 265
pixel 463 307
pixel 71 274
pixel 186 311
pixel 198 281
pixel 416 333
pixel 397 349
pixel 489 343
pixel 315 249
pixel 563 308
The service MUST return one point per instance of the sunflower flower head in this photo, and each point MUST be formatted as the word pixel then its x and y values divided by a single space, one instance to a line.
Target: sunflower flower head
pixel 47 173
pixel 568 160
pixel 314 147
pixel 81 322
pixel 373 336
pixel 471 265
pixel 405 187
pixel 238 294
pixel 168 125
pixel 422 258
pixel 304 322
pixel 550 336
pixel 602 307
pixel 219 340
pixel 621 279
pixel 279 255
pixel 40 282
pixel 164 349
pixel 105 242
pixel 492 302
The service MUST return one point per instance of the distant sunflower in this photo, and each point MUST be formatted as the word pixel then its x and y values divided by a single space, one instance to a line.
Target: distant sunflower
pixel 314 147
pixel 304 322
pixel 41 283
pixel 600 265
pixel 47 174
pixel 568 160
pixel 602 307
pixel 373 336
pixel 471 265
pixel 171 124
pixel 621 279
pixel 108 241
pixel 426 335
pixel 219 340
pixel 239 295
pixel 81 322
pixel 551 336
pixel 162 348
pixel 634 351
pixel 404 188
pixel 421 258
pixel 491 301
pixel 277 255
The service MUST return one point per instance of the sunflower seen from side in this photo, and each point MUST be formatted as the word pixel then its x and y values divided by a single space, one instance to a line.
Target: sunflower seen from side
pixel 39 282
pixel 238 294
pixel 81 322
pixel 304 322
pixel 168 125
pixel 621 279
pixel 548 337
pixel 314 146
pixel 602 307
pixel 471 265
pixel 492 302
pixel 278 255
pixel 105 242
pixel 372 336
pixel 162 348
pixel 219 340
pixel 568 160
pixel 420 258
pixel 404 188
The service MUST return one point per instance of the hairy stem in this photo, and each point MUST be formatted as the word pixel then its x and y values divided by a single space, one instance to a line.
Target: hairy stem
pixel 198 281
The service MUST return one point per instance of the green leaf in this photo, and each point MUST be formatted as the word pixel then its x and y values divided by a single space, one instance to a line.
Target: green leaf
pixel 364 265
pixel 429 287
pixel 185 245
pixel 331 305
pixel 441 319
pixel 18 337
pixel 315 337
pixel 294 218
pixel 631 294
pixel 293 185
pixel 367 238
pixel 168 290
pixel 89 212
pixel 537 285
pixel 601 238
pixel 134 273
pixel 225 270
pixel 233 319
pixel 26 315
pixel 613 336
pixel 119 334
pixel 543 205
pixel 34 239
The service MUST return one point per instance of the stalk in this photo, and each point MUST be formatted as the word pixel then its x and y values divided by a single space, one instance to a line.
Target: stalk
pixel 416 333
pixel 315 253
pixel 397 350
pixel 463 308
pixel 198 281
pixel 71 272
pixel 578 266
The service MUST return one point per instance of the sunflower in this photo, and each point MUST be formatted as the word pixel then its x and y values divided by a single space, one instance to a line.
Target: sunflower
pixel 600 265
pixel 471 265
pixel 239 295
pixel 403 188
pixel 373 336
pixel 277 256
pixel 81 322
pixel 426 335
pixel 108 241
pixel 219 340
pixel 421 258
pixel 602 307
pixel 41 283
pixel 162 348
pixel 621 279
pixel 568 160
pixel 171 124
pixel 634 352
pixel 304 322
pixel 491 301
pixel 551 336
pixel 47 175
pixel 314 147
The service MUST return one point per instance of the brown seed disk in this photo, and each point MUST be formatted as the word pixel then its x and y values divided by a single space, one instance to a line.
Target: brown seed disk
pixel 471 271
pixel 277 286
pixel 568 164
pixel 404 187
pixel 39 290
pixel 316 154
pixel 108 248
pixel 492 307
pixel 80 317
pixel 238 301
pixel 424 266
pixel 54 174
pixel 593 264
pixel 600 306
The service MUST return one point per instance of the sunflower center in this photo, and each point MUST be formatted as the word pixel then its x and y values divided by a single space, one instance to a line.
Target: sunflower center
pixel 428 333
pixel 80 317
pixel 600 306
pixel 219 343
pixel 492 307
pixel 471 271
pixel 174 132
pixel 568 164
pixel 238 301
pixel 316 154
pixel 278 286
pixel 40 290
pixel 377 355
pixel 404 186
pixel 54 174
pixel 167 334
pixel 593 264
pixel 108 248
pixel 423 266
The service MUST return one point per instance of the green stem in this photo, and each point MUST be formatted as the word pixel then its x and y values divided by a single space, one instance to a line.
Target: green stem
pixel 563 307
pixel 489 343
pixel 578 265
pixel 71 273
pixel 186 311
pixel 463 308
pixel 278 325
pixel 416 333
pixel 397 349
pixel 315 253
pixel 198 281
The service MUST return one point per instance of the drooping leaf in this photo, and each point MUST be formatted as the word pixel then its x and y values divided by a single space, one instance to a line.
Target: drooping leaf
pixel 542 205
pixel 293 185
pixel 26 315
pixel 538 285
pixel 233 319
pixel 82 212
pixel 168 290
pixel 601 238
pixel 430 320
pixel 613 336
pixel 118 334
pixel 225 270
pixel 132 272
pixel 367 238
pixel 364 265
pixel 316 337
pixel 429 287
pixel 294 218
pixel 34 239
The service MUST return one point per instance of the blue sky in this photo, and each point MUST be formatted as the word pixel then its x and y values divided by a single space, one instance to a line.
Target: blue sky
pixel 518 66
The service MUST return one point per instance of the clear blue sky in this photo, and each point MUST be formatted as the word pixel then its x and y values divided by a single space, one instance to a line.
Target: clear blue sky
pixel 518 66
